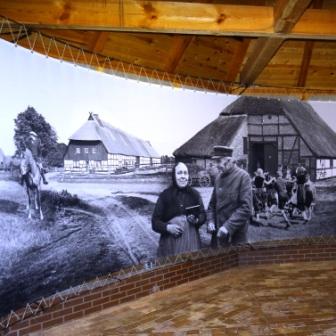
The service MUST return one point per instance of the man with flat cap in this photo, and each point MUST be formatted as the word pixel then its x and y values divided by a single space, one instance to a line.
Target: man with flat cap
pixel 230 207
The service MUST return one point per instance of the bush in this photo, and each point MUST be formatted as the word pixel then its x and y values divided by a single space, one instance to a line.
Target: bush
pixel 57 200
pixel 133 202
pixel 62 199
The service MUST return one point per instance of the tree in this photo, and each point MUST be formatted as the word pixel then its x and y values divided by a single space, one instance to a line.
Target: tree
pixel 30 120
pixel 55 157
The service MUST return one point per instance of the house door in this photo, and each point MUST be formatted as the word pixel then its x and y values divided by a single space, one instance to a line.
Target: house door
pixel 271 157
pixel 263 155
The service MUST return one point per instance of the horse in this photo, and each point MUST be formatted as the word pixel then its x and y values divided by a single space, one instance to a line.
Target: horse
pixel 32 182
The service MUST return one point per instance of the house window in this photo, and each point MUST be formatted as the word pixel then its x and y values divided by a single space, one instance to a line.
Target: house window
pixel 86 150
pixel 78 150
pixel 94 150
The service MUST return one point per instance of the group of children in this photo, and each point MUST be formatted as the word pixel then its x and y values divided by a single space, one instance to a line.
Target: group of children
pixel 290 192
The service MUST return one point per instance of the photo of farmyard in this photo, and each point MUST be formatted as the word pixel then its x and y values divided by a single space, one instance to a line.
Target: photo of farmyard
pixel 98 173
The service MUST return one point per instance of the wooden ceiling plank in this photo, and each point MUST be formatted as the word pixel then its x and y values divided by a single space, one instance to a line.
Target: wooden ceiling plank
pixel 174 17
pixel 180 46
pixel 98 42
pixel 315 24
pixel 316 90
pixel 237 60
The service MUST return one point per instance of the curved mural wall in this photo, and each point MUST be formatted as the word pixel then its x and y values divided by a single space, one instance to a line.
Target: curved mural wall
pixel 88 184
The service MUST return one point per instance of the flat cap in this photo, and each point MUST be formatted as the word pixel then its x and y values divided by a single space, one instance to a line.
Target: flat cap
pixel 221 151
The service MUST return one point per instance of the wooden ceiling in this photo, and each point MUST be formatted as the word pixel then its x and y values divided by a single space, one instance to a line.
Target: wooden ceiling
pixel 257 47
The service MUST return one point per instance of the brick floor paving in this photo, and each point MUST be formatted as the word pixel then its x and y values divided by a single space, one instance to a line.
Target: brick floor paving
pixel 286 299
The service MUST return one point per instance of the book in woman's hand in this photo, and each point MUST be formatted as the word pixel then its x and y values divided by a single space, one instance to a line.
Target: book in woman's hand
pixel 193 210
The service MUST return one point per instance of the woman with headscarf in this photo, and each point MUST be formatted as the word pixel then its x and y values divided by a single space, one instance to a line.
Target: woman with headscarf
pixel 178 214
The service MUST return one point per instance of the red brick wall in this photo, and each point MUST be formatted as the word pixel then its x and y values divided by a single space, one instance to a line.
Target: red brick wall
pixel 290 253
pixel 191 267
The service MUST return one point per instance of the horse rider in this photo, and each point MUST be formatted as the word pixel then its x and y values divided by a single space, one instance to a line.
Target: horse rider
pixel 33 156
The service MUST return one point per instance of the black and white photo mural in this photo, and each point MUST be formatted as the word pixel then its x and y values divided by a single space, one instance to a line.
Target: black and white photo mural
pixel 99 173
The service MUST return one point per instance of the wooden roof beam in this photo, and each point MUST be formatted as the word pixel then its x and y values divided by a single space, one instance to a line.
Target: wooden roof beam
pixel 237 59
pixel 176 17
pixel 181 43
pixel 286 14
pixel 307 53
pixel 263 51
pixel 98 42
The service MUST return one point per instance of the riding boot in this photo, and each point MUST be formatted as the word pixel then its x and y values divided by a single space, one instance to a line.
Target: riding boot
pixel 43 178
pixel 24 179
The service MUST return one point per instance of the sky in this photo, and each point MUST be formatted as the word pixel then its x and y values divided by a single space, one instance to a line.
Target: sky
pixel 65 94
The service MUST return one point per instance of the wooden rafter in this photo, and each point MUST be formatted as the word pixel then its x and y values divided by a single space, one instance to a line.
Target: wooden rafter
pixel 98 42
pixel 307 52
pixel 183 17
pixel 263 51
pixel 286 14
pixel 237 60
pixel 181 44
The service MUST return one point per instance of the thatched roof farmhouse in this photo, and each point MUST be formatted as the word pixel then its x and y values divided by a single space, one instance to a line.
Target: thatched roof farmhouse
pixel 267 133
pixel 97 145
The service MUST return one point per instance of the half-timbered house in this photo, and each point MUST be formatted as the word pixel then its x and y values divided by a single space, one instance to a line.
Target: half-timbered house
pixel 98 146
pixel 267 133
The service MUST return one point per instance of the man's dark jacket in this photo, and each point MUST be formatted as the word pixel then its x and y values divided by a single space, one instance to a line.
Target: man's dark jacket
pixel 231 203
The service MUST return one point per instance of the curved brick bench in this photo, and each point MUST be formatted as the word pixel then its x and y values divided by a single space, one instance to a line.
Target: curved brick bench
pixel 142 280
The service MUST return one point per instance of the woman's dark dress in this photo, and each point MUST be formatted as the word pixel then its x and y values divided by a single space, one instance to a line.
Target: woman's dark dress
pixel 259 196
pixel 171 208
pixel 304 193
